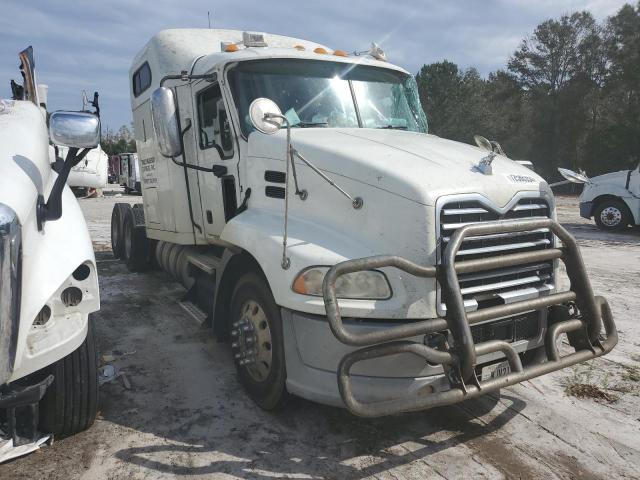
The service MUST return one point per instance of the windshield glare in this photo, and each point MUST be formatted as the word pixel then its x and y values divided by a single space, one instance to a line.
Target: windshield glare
pixel 329 94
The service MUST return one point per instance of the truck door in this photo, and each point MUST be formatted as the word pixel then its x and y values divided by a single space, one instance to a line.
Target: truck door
pixel 216 149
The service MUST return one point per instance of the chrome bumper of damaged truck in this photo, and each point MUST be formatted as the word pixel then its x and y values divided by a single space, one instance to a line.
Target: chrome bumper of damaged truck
pixel 459 358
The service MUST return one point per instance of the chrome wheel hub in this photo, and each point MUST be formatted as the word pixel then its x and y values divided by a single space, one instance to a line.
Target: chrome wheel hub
pixel 611 216
pixel 251 341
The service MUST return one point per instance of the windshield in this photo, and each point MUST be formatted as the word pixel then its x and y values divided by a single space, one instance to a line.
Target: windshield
pixel 315 93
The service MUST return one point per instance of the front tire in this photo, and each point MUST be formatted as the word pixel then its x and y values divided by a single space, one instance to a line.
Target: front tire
pixel 611 215
pixel 71 402
pixel 258 342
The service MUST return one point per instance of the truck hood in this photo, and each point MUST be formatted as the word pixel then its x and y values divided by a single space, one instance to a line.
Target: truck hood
pixel 24 156
pixel 416 166
pixel 616 178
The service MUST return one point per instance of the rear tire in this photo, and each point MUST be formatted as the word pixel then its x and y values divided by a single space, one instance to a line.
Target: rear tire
pixel 136 246
pixel 117 222
pixel 252 305
pixel 71 402
pixel 612 215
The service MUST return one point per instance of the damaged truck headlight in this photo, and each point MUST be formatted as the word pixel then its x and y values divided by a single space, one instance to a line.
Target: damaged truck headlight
pixel 10 251
pixel 365 285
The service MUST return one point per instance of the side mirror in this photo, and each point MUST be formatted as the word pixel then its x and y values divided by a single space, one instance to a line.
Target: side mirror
pixel 573 177
pixel 265 115
pixel 74 129
pixel 165 122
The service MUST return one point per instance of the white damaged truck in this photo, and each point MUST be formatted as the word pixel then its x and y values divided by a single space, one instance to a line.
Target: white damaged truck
pixel 347 255
pixel 48 278
pixel 612 199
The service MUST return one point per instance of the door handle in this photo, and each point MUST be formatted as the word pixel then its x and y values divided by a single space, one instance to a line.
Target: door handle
pixel 219 170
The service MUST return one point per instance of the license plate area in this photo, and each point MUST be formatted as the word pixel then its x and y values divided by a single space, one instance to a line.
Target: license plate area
pixel 521 327
pixel 495 370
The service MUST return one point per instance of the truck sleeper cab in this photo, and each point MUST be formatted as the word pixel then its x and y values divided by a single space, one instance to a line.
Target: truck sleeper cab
pixel 349 256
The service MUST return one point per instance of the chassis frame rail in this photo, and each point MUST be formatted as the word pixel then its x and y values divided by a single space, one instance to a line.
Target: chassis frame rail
pixel 460 359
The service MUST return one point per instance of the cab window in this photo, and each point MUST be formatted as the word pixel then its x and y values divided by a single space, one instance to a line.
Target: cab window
pixel 213 121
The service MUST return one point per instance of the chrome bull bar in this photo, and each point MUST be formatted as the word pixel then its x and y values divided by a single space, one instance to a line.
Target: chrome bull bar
pixel 459 359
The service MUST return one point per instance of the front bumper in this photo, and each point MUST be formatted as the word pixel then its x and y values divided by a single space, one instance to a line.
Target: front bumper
pixel 459 356
pixel 313 357
pixel 586 209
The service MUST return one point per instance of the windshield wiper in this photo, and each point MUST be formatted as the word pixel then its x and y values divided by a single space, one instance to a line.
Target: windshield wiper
pixel 311 124
pixel 393 127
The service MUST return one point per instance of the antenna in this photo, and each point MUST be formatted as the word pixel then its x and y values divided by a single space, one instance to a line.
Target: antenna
pixel 209 18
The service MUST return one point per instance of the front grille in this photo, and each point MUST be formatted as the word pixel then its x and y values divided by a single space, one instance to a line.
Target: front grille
pixel 504 285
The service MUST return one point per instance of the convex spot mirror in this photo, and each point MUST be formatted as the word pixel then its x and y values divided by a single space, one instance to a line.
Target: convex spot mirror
pixel 165 122
pixel 74 129
pixel 483 143
pixel 265 115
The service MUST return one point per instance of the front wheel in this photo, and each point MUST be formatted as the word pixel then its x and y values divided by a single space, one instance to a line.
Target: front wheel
pixel 258 342
pixel 71 402
pixel 611 215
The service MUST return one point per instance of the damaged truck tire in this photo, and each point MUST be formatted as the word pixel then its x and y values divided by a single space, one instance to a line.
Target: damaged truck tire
pixel 258 342
pixel 70 404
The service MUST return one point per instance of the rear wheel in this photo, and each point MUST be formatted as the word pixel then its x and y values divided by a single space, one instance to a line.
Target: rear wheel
pixel 257 342
pixel 612 215
pixel 117 223
pixel 136 247
pixel 71 401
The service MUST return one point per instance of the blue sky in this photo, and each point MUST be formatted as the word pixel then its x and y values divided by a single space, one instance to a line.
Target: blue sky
pixel 89 44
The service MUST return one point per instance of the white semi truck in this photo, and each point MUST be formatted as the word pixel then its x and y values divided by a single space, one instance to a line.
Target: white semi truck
pixel 347 255
pixel 612 199
pixel 48 278
pixel 91 172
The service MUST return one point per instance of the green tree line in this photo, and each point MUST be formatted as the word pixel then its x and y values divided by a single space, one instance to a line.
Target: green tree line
pixel 568 96
pixel 121 141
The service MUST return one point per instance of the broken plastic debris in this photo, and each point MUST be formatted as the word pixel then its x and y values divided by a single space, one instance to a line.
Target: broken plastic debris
pixel 8 451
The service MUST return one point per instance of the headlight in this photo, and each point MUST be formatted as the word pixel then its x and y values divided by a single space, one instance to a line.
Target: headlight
pixel 10 243
pixel 365 285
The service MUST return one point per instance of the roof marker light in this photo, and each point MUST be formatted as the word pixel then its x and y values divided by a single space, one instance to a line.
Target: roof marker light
pixel 320 50
pixel 299 47
pixel 231 47
pixel 340 53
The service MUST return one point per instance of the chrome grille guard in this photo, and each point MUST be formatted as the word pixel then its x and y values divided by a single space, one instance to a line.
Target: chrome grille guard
pixel 459 359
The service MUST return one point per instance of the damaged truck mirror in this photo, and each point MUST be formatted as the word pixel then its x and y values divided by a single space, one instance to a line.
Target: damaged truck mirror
pixel 80 131
pixel 165 122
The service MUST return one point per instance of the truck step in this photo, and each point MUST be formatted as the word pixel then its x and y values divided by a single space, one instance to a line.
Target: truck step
pixel 207 263
pixel 194 311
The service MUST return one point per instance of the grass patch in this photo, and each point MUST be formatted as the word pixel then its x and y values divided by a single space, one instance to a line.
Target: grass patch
pixel 631 374
pixel 586 381
pixel 585 390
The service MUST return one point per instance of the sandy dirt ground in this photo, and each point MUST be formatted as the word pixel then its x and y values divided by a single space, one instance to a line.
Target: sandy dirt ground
pixel 185 415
